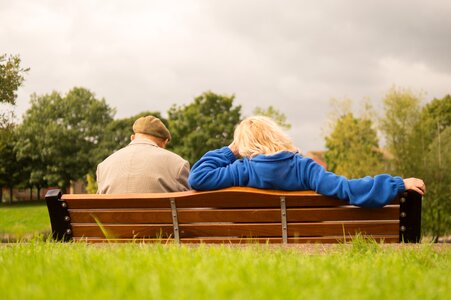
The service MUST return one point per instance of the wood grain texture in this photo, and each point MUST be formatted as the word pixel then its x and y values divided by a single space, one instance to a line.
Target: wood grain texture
pixel 235 229
pixel 152 216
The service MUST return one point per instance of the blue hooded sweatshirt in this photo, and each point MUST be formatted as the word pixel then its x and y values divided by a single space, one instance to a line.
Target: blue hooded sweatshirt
pixel 220 168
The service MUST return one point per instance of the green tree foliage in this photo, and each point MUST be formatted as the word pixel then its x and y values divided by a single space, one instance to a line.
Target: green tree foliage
pixel 401 115
pixel 420 141
pixel 10 169
pixel 432 138
pixel 91 184
pixel 11 77
pixel 205 124
pixel 352 148
pixel 59 135
pixel 435 117
pixel 437 201
pixel 274 114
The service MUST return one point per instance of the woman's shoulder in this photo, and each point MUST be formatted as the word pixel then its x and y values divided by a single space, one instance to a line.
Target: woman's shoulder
pixel 281 155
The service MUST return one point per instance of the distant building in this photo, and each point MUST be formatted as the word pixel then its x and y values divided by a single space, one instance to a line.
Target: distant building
pixel 23 194
pixel 26 194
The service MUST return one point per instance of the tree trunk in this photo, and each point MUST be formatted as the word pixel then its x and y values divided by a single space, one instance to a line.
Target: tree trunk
pixel 31 193
pixel 39 192
pixel 67 186
pixel 10 195
pixel 1 194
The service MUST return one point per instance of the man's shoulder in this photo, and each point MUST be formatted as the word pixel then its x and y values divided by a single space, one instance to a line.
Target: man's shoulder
pixel 173 155
pixel 146 150
pixel 154 151
pixel 112 156
pixel 118 152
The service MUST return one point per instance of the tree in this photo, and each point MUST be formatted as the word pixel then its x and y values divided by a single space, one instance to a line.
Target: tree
pixel 432 135
pixel 420 142
pixel 11 172
pixel 207 123
pixel 59 135
pixel 352 148
pixel 437 200
pixel 401 115
pixel 11 77
pixel 274 114
pixel 435 117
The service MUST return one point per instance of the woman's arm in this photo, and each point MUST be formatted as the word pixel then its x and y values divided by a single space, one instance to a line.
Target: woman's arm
pixel 214 170
pixel 368 191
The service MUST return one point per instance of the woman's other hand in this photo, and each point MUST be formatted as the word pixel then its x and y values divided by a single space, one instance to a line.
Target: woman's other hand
pixel 415 184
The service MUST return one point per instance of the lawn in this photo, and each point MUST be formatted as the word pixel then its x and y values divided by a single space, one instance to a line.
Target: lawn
pixel 40 269
pixel 362 270
pixel 23 220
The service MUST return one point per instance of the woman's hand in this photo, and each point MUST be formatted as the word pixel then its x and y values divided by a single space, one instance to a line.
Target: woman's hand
pixel 415 184
pixel 233 147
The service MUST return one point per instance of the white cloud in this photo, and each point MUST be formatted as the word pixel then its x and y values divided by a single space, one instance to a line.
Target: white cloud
pixel 295 55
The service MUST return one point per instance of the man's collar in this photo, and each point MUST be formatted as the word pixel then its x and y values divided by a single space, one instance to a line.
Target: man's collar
pixel 143 141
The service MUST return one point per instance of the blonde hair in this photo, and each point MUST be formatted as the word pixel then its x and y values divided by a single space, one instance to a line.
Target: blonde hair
pixel 260 135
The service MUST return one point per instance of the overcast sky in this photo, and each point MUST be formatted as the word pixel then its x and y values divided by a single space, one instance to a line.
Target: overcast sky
pixel 293 55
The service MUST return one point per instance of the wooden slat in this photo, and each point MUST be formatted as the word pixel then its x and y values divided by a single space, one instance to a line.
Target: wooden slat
pixel 229 215
pixel 154 216
pixel 247 197
pixel 242 200
pixel 121 216
pixel 293 214
pixel 190 194
pixel 238 201
pixel 122 231
pixel 231 197
pixel 237 191
pixel 215 240
pixel 294 229
pixel 342 214
pixel 97 202
pixel 343 228
pixel 237 230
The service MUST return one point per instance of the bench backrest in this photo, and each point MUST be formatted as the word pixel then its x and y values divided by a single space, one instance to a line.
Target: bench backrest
pixel 232 215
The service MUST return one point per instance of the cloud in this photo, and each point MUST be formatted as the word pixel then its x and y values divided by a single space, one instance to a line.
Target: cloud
pixel 294 55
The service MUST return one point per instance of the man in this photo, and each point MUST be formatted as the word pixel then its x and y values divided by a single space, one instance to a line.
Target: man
pixel 144 166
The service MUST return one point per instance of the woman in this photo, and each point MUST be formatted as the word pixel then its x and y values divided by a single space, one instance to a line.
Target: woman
pixel 270 161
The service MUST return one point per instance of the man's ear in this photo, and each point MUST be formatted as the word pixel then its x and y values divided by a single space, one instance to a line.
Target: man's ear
pixel 132 137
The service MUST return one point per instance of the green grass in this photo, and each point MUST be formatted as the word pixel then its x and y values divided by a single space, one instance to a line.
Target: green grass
pixel 362 270
pixel 24 219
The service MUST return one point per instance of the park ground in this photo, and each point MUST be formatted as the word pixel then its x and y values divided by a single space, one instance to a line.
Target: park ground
pixel 34 267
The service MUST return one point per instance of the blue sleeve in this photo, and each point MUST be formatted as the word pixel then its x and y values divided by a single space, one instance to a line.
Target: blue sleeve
pixel 215 170
pixel 374 191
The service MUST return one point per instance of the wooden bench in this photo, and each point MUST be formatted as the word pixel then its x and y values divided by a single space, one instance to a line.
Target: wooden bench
pixel 232 215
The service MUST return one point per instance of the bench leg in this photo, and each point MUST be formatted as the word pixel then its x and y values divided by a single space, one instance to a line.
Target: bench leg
pixel 59 216
pixel 410 217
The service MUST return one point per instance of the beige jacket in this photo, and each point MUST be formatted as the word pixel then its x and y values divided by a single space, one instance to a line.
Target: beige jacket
pixel 142 167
